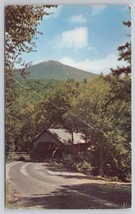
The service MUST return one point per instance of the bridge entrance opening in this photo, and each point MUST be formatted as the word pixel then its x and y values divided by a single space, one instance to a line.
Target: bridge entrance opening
pixel 47 150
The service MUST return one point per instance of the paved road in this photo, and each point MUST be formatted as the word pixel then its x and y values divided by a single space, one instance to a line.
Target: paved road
pixel 41 185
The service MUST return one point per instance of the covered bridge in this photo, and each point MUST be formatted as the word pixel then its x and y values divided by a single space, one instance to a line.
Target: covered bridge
pixel 55 142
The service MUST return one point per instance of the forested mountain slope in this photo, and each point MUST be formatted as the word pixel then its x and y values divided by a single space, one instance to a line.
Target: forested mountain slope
pixel 57 71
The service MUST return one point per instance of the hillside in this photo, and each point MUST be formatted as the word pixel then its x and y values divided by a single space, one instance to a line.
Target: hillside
pixel 57 71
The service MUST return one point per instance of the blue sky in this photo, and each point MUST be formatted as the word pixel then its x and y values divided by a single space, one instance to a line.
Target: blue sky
pixel 83 36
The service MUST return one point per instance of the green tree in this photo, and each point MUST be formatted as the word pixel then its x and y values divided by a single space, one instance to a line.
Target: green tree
pixel 102 118
pixel 89 111
pixel 120 81
pixel 124 54
pixel 56 104
pixel 21 22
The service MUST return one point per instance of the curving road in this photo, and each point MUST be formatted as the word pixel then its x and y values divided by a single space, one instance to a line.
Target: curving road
pixel 41 185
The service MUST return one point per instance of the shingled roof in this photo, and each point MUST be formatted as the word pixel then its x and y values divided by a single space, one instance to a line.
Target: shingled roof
pixel 65 136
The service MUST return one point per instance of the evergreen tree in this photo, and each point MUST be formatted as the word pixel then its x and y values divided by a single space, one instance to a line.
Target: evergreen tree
pixel 124 54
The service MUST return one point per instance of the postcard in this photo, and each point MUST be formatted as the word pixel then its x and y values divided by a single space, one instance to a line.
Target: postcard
pixel 68 106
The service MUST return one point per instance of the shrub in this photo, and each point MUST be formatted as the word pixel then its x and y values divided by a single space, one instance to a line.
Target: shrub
pixel 84 167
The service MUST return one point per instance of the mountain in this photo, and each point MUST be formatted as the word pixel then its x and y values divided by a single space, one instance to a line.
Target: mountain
pixel 57 71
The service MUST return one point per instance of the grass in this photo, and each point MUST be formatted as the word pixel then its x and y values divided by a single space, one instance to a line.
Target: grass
pixel 12 197
pixel 7 195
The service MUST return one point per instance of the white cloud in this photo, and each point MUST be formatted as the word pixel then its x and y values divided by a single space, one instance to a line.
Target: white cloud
pixel 78 19
pixel 92 49
pixel 76 38
pixel 95 66
pixel 98 9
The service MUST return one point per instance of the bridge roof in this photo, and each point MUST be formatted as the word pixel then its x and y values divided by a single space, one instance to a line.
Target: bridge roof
pixel 65 136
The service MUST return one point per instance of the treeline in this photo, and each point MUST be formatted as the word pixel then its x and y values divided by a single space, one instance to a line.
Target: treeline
pixel 100 109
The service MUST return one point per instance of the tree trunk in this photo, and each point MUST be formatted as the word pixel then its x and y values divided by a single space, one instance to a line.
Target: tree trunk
pixel 72 139
pixel 100 170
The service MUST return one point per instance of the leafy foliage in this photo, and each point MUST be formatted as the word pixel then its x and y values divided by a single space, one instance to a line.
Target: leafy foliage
pixel 20 27
pixel 21 23
pixel 124 54
pixel 100 109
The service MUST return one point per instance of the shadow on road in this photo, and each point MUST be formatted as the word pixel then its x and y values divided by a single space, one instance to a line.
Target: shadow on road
pixel 84 196
pixel 57 167
pixel 71 194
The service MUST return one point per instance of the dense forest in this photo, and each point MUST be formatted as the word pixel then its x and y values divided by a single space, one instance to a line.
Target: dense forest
pixel 98 108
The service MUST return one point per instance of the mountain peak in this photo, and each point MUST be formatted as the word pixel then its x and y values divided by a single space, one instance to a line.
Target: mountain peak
pixel 54 62
pixel 52 69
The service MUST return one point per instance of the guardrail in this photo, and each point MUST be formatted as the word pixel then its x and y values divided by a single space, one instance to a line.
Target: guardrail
pixel 18 155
